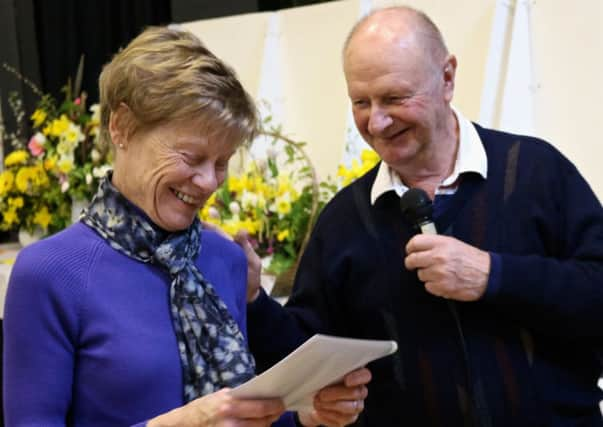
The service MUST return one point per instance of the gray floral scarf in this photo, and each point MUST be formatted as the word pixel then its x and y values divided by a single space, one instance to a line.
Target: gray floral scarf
pixel 213 351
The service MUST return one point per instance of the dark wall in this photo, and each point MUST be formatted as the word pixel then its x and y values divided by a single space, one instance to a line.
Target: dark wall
pixel 192 10
pixel 19 50
pixel 282 4
pixel 95 29
pixel 44 41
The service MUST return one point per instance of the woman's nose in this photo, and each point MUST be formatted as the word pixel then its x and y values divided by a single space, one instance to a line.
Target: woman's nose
pixel 205 178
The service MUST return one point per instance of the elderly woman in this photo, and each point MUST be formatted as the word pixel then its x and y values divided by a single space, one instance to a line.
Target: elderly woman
pixel 136 314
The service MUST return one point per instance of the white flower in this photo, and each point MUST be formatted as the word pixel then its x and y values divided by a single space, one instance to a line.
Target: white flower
pixel 88 179
pixel 95 155
pixel 213 212
pixel 234 208
pixel 248 199
pixel 40 138
pixel 261 164
pixel 95 109
pixel 271 152
pixel 73 135
pixel 101 171
pixel 64 186
pixel 65 147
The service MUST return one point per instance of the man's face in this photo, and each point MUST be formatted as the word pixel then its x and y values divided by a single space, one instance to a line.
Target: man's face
pixel 399 99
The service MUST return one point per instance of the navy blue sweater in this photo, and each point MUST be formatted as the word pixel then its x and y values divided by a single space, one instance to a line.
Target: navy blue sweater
pixel 528 353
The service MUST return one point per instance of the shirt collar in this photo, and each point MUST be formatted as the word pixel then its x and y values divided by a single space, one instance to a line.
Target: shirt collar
pixel 471 157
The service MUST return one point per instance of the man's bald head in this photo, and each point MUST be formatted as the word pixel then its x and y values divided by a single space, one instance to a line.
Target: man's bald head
pixel 399 24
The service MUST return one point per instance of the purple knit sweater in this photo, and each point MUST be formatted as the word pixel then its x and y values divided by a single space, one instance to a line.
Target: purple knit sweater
pixel 88 334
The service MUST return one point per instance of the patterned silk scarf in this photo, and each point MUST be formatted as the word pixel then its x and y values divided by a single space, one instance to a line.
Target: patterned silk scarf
pixel 212 349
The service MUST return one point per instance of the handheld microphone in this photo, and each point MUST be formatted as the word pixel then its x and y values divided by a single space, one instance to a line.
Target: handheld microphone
pixel 417 208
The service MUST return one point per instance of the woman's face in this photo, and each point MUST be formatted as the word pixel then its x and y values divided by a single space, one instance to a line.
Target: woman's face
pixel 170 170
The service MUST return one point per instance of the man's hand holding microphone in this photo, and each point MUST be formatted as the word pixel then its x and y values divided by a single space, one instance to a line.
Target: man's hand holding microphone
pixel 449 268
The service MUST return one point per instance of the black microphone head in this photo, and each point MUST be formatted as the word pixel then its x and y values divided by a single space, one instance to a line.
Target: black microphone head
pixel 416 206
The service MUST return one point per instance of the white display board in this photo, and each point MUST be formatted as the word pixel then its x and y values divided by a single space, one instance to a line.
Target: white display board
pixel 524 66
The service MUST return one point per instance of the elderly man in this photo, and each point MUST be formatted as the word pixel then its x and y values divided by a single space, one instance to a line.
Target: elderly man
pixel 499 318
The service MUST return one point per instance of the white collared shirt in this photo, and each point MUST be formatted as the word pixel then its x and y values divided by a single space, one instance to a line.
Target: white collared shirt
pixel 471 157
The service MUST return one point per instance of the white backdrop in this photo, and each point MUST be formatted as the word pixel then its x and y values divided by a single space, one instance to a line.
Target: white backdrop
pixel 524 66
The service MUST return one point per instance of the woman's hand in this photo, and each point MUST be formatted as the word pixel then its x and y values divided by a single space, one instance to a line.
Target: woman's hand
pixel 339 404
pixel 220 409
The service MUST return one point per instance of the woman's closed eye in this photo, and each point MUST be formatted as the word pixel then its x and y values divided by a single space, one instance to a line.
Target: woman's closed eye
pixel 222 165
pixel 191 159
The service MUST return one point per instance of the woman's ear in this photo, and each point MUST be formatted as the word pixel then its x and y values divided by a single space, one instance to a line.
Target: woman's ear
pixel 120 124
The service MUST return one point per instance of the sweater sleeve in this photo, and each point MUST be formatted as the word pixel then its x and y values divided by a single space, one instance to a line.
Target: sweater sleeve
pixel 274 330
pixel 559 293
pixel 40 332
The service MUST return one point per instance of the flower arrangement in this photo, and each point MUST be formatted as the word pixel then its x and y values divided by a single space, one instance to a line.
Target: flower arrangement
pixel 358 167
pixel 59 164
pixel 276 199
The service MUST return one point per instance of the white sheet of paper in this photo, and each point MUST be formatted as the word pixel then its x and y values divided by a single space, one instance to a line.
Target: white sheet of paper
pixel 320 361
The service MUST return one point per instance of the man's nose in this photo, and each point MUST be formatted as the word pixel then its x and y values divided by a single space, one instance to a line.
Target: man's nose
pixel 379 121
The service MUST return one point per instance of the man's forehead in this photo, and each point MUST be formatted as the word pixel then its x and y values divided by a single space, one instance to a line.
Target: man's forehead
pixel 389 23
pixel 382 41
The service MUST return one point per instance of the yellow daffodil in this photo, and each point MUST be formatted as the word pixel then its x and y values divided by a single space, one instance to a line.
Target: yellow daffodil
pixel 283 205
pixel 57 126
pixel 22 180
pixel 38 117
pixel 73 135
pixel 282 235
pixel 9 217
pixel 256 182
pixel 15 202
pixel 284 185
pixel 252 226
pixel 42 218
pixel 211 200
pixel 50 163
pixel 235 184
pixel 65 164
pixel 232 226
pixel 369 157
pixel 17 157
pixel 6 182
pixel 39 177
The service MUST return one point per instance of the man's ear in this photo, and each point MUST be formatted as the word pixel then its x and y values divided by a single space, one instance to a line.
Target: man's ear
pixel 449 74
pixel 120 125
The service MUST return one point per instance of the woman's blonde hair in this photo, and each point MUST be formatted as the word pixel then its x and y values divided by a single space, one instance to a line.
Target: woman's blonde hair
pixel 167 74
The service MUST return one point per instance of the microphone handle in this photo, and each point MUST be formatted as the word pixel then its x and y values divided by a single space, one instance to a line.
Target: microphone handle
pixel 428 227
